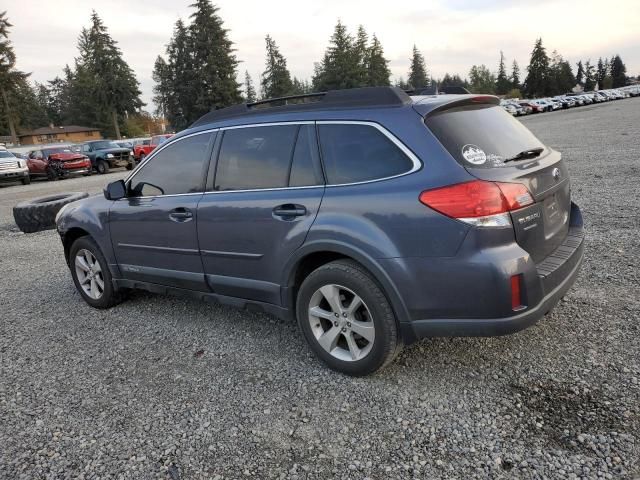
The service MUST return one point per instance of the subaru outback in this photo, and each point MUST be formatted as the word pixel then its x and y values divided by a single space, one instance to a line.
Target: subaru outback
pixel 372 217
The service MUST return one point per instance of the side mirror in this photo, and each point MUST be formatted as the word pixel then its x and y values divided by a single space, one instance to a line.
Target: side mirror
pixel 115 190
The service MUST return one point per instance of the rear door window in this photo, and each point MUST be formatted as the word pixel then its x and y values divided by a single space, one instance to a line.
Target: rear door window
pixel 354 153
pixel 274 156
pixel 481 136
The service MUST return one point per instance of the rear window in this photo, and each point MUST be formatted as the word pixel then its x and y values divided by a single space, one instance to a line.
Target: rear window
pixel 481 136
pixel 356 153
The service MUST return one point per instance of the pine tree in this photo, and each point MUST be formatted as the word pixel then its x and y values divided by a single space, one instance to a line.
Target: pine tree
pixel 11 79
pixel 589 76
pixel 536 83
pixel 212 61
pixel 249 91
pixel 161 77
pixel 276 79
pixel 378 66
pixel 503 85
pixel 362 53
pixel 452 81
pixel 580 73
pixel 401 83
pixel 618 72
pixel 300 87
pixel 601 71
pixel 339 67
pixel 560 79
pixel 481 80
pixel 180 80
pixel 515 75
pixel 418 76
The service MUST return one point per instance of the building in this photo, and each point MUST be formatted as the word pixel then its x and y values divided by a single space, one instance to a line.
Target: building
pixel 67 134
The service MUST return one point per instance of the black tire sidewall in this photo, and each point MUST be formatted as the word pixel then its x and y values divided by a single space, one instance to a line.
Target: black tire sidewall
pixel 102 167
pixel 362 284
pixel 108 297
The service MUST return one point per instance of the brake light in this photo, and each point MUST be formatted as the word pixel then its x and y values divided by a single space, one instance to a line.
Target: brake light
pixel 478 202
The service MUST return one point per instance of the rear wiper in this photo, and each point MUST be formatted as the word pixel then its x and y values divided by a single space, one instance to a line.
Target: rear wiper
pixel 526 154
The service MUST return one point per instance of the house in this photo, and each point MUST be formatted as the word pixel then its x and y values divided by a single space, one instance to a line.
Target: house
pixel 52 134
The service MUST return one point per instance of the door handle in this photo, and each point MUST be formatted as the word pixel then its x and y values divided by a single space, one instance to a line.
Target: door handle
pixel 180 214
pixel 289 210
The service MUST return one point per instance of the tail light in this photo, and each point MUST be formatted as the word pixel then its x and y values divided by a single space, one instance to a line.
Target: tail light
pixel 479 203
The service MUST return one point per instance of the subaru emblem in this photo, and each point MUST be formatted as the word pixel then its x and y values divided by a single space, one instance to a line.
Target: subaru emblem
pixel 556 174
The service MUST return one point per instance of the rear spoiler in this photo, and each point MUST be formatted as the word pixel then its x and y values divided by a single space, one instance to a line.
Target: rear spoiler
pixel 425 109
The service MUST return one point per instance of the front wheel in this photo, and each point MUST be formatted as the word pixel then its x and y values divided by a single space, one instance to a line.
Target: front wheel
pixel 91 274
pixel 347 319
pixel 26 180
pixel 102 167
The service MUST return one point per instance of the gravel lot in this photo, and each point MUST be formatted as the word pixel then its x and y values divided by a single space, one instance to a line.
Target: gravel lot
pixel 168 388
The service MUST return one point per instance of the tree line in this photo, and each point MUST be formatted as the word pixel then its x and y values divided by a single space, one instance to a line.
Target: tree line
pixel 198 71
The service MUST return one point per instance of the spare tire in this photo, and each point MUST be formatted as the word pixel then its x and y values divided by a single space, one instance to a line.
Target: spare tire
pixel 40 213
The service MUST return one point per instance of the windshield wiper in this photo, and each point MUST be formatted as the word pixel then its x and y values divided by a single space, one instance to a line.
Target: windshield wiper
pixel 526 154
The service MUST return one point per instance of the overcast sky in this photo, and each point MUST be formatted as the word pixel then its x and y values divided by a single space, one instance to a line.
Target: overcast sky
pixel 452 34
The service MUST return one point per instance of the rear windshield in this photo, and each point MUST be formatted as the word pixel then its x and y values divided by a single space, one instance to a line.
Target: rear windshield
pixel 481 136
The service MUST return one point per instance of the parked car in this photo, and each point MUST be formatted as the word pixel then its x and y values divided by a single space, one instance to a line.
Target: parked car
pixel 57 162
pixel 106 154
pixel 417 220
pixel 12 168
pixel 535 108
pixel 141 151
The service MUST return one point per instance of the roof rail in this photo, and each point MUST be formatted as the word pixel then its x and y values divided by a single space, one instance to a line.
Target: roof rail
pixel 434 90
pixel 348 98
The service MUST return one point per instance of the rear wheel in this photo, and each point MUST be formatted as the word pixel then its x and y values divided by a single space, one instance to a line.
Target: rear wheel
pixel 102 167
pixel 347 319
pixel 52 174
pixel 91 274
pixel 26 180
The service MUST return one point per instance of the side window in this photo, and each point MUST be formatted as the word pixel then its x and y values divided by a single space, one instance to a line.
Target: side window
pixel 178 168
pixel 255 157
pixel 305 168
pixel 357 153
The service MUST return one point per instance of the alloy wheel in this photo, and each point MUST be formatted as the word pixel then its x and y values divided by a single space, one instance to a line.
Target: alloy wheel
pixel 89 274
pixel 341 323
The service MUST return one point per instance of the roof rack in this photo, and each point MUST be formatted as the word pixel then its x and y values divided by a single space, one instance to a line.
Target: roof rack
pixel 348 98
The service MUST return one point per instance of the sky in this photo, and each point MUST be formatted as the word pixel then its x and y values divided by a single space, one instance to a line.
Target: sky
pixel 452 35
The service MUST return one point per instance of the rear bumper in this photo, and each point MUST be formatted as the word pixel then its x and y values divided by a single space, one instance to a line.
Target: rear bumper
pixel 545 284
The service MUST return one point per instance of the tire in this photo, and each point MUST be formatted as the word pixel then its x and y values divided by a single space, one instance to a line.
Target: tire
pixel 26 180
pixel 40 213
pixel 52 175
pixel 374 316
pixel 86 248
pixel 129 166
pixel 102 167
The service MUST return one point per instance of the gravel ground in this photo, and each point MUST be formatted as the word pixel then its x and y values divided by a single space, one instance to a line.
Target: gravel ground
pixel 168 388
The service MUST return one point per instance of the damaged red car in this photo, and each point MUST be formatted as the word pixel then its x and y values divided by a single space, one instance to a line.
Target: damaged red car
pixel 58 162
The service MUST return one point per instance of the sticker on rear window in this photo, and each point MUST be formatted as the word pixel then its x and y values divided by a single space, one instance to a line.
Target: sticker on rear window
pixel 474 154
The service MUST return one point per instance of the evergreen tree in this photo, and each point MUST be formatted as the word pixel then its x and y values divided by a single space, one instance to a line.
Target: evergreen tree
pixel 362 53
pixel 537 82
pixel 339 67
pixel 109 81
pixel 503 85
pixel 212 61
pixel 179 80
pixel 403 84
pixel 11 80
pixel 601 71
pixel 378 66
pixel 515 75
pixel 589 76
pixel 161 89
pixel 418 76
pixel 276 79
pixel 618 72
pixel 481 80
pixel 249 91
pixel 452 81
pixel 580 73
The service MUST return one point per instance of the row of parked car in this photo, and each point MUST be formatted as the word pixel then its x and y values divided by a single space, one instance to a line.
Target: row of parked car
pixel 60 160
pixel 519 107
